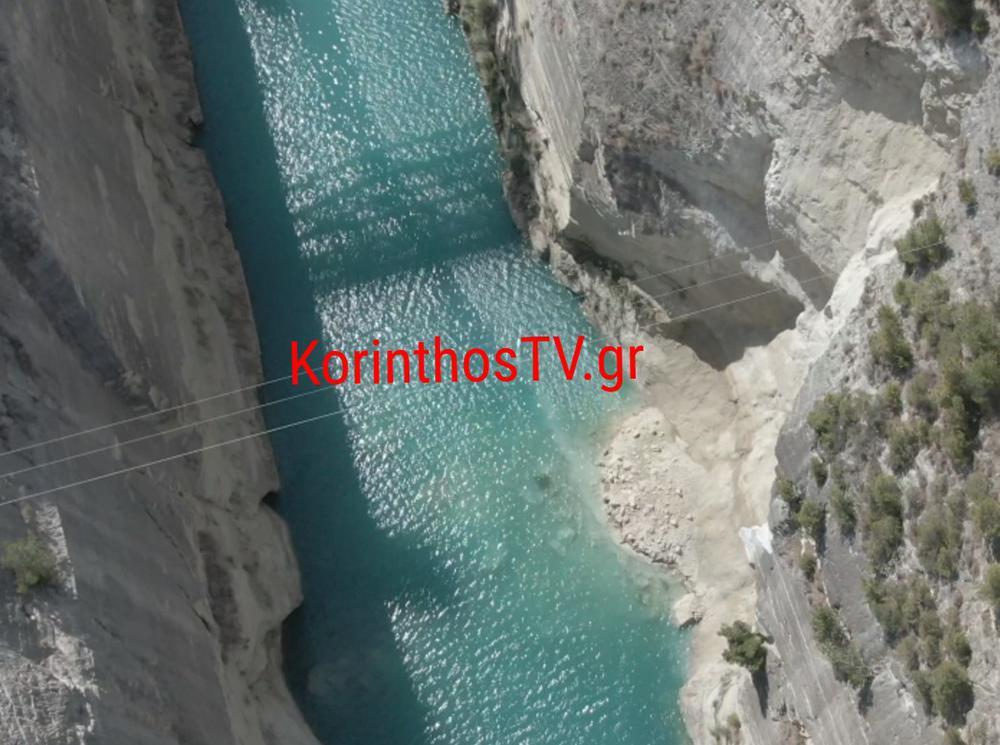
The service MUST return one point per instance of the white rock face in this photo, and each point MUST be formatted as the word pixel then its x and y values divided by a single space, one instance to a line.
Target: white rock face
pixel 122 292
pixel 742 168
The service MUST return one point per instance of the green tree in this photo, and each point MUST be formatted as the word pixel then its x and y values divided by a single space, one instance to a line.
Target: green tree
pixel 32 562
pixel 843 509
pixel 888 345
pixel 923 247
pixel 991 586
pixel 812 518
pixel 905 442
pixel 952 692
pixel 746 647
pixel 807 563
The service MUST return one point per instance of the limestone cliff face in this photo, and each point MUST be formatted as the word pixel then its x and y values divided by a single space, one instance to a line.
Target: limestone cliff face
pixel 744 168
pixel 121 291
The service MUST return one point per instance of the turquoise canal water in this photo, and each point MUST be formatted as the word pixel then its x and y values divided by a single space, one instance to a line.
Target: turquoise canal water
pixel 460 586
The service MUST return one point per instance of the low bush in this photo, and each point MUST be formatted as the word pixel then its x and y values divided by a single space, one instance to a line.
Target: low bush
pixel 820 472
pixel 842 507
pixel 807 563
pixel 967 194
pixel 991 586
pixel 848 663
pixel 812 519
pixel 958 647
pixel 985 511
pixel 746 647
pixel 32 562
pixel 833 419
pixel 992 161
pixel 888 344
pixel 884 531
pixel 923 247
pixel 919 397
pixel 951 692
pixel 905 443
pixel 954 15
pixel 939 542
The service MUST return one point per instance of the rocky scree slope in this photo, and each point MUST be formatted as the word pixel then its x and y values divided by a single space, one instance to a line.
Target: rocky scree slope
pixel 122 291
pixel 746 168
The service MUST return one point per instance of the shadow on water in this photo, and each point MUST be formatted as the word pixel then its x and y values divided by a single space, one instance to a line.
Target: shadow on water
pixel 355 689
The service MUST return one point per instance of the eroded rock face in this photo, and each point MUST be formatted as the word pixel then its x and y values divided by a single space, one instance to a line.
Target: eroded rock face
pixel 745 168
pixel 646 136
pixel 121 291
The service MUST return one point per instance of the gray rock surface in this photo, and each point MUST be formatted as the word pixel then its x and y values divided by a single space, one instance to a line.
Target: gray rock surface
pixel 751 163
pixel 121 291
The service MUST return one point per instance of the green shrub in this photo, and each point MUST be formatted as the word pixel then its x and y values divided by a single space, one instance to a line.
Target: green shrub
pixel 952 692
pixel 807 563
pixel 957 435
pixel 891 398
pixel 746 647
pixel 848 663
pixel 953 737
pixel 899 606
pixel 32 562
pixel 843 510
pixel 967 194
pixel 888 344
pixel 939 542
pixel 923 247
pixel 789 493
pixel 925 689
pixel 819 471
pixel 826 626
pixel 905 442
pixel 928 303
pixel 959 649
pixel 812 518
pixel 833 419
pixel 908 651
pixel 985 511
pixel 885 521
pixel 991 586
pixel 919 398
pixel 980 23
pixel 954 15
pixel 992 162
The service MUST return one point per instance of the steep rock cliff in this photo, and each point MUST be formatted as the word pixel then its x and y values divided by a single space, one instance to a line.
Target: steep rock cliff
pixel 122 292
pixel 724 181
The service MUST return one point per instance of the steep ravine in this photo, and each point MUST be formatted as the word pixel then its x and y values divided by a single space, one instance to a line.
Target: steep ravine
pixel 743 168
pixel 122 291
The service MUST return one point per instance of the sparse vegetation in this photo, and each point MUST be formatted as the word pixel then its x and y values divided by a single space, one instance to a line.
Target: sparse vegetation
pixel 746 647
pixel 848 663
pixel 951 692
pixel 32 562
pixel 884 532
pixel 819 471
pixel 991 587
pixel 967 194
pixel 992 162
pixel 923 247
pixel 954 15
pixel 980 25
pixel 888 345
pixel 812 519
pixel 807 563
pixel 843 510
pixel 905 442
pixel 833 419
